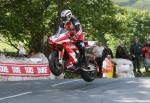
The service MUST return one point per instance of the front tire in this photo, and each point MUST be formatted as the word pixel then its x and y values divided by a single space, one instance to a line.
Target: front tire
pixel 55 67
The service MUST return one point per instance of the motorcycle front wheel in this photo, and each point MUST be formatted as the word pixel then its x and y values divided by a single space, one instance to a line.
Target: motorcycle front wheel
pixel 55 67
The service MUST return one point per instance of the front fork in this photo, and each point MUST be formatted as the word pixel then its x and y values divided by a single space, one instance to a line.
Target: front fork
pixel 61 54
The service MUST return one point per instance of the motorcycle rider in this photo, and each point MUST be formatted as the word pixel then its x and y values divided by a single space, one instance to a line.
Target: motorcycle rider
pixel 69 22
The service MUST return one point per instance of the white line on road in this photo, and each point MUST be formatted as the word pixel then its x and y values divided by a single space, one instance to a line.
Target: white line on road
pixel 64 83
pixel 13 96
pixel 133 101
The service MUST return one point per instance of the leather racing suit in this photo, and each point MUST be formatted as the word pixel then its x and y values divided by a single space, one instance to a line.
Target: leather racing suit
pixel 76 34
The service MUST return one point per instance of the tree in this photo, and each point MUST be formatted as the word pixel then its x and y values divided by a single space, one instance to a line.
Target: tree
pixel 27 21
pixel 130 23
pixel 31 21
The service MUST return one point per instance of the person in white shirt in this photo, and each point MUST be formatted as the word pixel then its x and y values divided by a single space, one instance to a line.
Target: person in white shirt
pixel 21 51
pixel 97 51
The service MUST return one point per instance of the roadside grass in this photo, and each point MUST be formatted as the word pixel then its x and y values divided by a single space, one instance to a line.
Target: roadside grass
pixel 69 75
pixel 143 73
pixel 5 47
pixel 134 4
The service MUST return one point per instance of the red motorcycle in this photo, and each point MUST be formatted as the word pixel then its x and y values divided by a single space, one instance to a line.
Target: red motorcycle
pixel 64 52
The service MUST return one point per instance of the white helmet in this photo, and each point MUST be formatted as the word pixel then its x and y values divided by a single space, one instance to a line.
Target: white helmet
pixel 66 15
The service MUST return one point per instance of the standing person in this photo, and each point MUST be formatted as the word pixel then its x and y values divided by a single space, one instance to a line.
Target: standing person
pixel 106 51
pixel 121 52
pixel 21 51
pixel 97 51
pixel 146 55
pixel 72 24
pixel 107 67
pixel 135 51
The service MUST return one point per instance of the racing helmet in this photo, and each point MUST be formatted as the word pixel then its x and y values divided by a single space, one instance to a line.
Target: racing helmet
pixel 65 16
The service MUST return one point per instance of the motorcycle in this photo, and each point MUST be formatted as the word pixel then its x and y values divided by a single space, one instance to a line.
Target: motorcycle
pixel 59 57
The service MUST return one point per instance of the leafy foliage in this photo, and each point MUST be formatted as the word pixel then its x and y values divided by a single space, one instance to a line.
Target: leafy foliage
pixel 134 4
pixel 130 23
pixel 32 21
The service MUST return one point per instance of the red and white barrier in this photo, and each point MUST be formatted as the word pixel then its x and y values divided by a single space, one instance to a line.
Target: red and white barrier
pixel 16 69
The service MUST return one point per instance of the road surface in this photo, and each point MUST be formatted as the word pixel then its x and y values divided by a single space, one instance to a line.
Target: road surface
pixel 76 91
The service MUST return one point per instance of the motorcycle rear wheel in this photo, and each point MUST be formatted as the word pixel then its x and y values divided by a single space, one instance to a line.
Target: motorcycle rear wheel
pixel 55 67
pixel 90 74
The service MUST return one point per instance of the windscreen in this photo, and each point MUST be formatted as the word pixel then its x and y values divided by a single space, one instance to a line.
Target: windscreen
pixel 60 31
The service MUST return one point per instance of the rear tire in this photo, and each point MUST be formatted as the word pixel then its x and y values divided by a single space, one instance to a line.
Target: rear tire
pixel 89 76
pixel 54 65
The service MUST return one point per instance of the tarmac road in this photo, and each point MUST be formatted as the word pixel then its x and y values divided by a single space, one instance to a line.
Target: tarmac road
pixel 76 91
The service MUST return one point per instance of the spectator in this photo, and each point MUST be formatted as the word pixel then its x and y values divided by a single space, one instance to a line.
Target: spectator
pixel 2 55
pixel 21 51
pixel 106 51
pixel 135 52
pixel 107 67
pixel 90 55
pixel 121 52
pixel 146 55
pixel 97 51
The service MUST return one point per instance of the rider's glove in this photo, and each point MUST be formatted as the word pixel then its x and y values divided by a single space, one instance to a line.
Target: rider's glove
pixel 75 37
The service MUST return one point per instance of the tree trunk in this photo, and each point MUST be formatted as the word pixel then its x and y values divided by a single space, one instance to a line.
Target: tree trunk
pixel 37 41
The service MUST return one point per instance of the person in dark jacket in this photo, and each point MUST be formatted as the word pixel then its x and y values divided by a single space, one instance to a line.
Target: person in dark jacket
pixel 135 52
pixel 121 52
pixel 106 51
